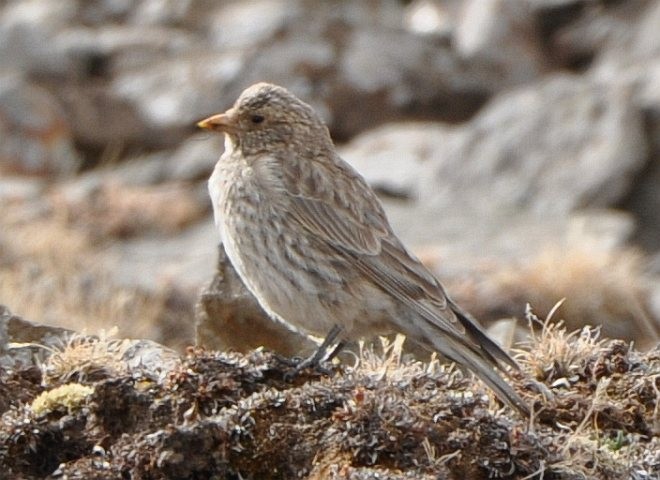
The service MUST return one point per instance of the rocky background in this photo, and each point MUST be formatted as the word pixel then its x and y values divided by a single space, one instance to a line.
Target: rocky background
pixel 515 145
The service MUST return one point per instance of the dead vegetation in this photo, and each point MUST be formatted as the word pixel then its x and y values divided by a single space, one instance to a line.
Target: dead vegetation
pixel 112 210
pixel 54 273
pixel 228 415
pixel 607 287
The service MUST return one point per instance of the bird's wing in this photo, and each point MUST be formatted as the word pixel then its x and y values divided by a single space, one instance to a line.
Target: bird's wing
pixel 334 203
pixel 347 216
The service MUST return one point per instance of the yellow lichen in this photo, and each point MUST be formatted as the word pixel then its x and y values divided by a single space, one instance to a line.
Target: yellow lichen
pixel 69 397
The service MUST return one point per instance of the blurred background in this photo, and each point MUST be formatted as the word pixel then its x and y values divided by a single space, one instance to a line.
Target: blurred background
pixel 515 145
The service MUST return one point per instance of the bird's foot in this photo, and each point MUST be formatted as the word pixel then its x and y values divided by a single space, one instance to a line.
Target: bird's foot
pixel 324 353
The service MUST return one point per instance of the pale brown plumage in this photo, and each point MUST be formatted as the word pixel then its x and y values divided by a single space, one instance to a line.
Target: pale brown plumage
pixel 311 241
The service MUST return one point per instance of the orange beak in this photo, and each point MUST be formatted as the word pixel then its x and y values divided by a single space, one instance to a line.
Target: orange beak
pixel 223 122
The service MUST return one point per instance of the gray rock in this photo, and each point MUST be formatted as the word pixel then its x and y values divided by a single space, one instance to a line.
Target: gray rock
pixel 195 158
pixel 395 156
pixel 367 60
pixel 119 46
pixel 563 144
pixel 25 344
pixel 629 46
pixel 503 36
pixel 27 28
pixel 249 23
pixel 103 124
pixel 580 33
pixel 176 93
pixel 392 74
pixel 299 69
pixel 631 59
pixel 432 17
pixel 15 189
pixel 644 197
pixel 95 12
pixel 36 137
pixel 192 161
pixel 554 4
pixel 183 262
pixel 228 317
pixel 161 12
pixel 150 358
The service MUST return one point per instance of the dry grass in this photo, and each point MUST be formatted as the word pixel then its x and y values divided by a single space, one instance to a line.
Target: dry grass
pixel 552 354
pixel 83 358
pixel 51 274
pixel 602 397
pixel 115 210
pixel 605 288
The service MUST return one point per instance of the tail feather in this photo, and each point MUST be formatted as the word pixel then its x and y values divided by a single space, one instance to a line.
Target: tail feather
pixel 477 352
pixel 483 368
pixel 489 347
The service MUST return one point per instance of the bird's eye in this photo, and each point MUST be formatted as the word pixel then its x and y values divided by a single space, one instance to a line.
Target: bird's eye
pixel 257 118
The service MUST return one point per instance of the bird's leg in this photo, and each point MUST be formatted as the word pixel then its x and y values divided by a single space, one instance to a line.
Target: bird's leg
pixel 324 353
pixel 336 350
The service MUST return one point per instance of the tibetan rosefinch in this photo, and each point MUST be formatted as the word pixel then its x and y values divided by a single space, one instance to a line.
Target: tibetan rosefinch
pixel 311 241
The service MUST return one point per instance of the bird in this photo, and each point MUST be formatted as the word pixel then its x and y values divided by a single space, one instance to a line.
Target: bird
pixel 311 241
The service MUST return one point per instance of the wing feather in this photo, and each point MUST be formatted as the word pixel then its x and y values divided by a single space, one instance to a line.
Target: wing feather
pixel 361 233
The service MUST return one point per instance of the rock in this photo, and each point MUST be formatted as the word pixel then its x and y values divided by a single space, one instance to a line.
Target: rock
pixel 568 135
pixel 174 94
pixel 367 59
pixel 543 5
pixel 393 158
pixel 96 12
pixel 161 12
pixel 24 344
pixel 150 358
pixel 503 36
pixel 564 144
pixel 229 317
pixel 108 209
pixel 643 199
pixel 471 245
pixel 102 124
pixel 113 47
pixel 36 136
pixel 192 161
pixel 395 74
pixel 631 59
pixel 432 17
pixel 245 24
pixel 27 28
pixel 195 158
pixel 17 189
pixel 181 261
pixel 579 34
pixel 630 46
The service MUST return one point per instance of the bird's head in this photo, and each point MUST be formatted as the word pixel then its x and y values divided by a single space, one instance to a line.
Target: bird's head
pixel 267 117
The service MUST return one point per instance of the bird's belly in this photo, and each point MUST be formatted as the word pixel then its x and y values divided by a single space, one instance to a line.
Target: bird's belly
pixel 295 278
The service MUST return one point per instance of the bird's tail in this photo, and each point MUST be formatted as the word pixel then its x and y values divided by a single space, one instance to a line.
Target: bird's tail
pixel 476 351
pixel 482 365
pixel 489 347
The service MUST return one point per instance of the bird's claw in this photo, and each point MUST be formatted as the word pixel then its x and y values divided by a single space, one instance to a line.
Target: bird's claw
pixel 315 361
